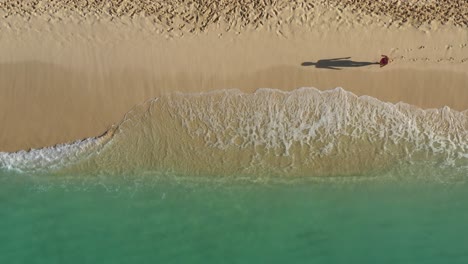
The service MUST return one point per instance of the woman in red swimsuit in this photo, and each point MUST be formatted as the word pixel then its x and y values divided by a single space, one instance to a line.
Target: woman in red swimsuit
pixel 384 60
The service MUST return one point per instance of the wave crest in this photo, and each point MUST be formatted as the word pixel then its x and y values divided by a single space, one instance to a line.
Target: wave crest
pixel 305 132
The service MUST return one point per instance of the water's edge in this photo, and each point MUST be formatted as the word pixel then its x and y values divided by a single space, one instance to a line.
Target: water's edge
pixel 305 132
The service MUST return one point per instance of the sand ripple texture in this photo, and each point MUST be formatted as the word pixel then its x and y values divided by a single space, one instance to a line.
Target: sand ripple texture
pixel 196 16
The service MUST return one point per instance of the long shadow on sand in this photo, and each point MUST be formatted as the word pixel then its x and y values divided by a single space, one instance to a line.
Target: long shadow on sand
pixel 338 63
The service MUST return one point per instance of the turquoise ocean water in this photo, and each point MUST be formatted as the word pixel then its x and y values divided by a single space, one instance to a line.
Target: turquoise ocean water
pixel 227 177
pixel 243 222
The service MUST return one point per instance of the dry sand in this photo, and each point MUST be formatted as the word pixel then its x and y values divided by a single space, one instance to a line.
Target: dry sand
pixel 70 71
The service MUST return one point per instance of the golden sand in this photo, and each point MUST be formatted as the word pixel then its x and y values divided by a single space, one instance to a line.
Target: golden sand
pixel 70 71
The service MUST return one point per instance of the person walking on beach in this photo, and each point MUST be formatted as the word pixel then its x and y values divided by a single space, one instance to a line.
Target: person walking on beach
pixel 384 61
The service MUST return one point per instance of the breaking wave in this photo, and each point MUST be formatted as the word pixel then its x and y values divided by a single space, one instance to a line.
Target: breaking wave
pixel 305 132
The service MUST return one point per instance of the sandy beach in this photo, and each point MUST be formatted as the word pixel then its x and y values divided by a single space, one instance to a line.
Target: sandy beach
pixel 71 71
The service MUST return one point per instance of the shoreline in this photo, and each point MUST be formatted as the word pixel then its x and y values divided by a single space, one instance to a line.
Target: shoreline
pixel 63 80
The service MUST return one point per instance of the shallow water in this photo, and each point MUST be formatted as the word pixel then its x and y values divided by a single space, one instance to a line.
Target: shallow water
pixel 202 221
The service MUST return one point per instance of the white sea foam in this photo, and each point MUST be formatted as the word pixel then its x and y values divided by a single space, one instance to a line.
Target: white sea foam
pixel 49 158
pixel 307 115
